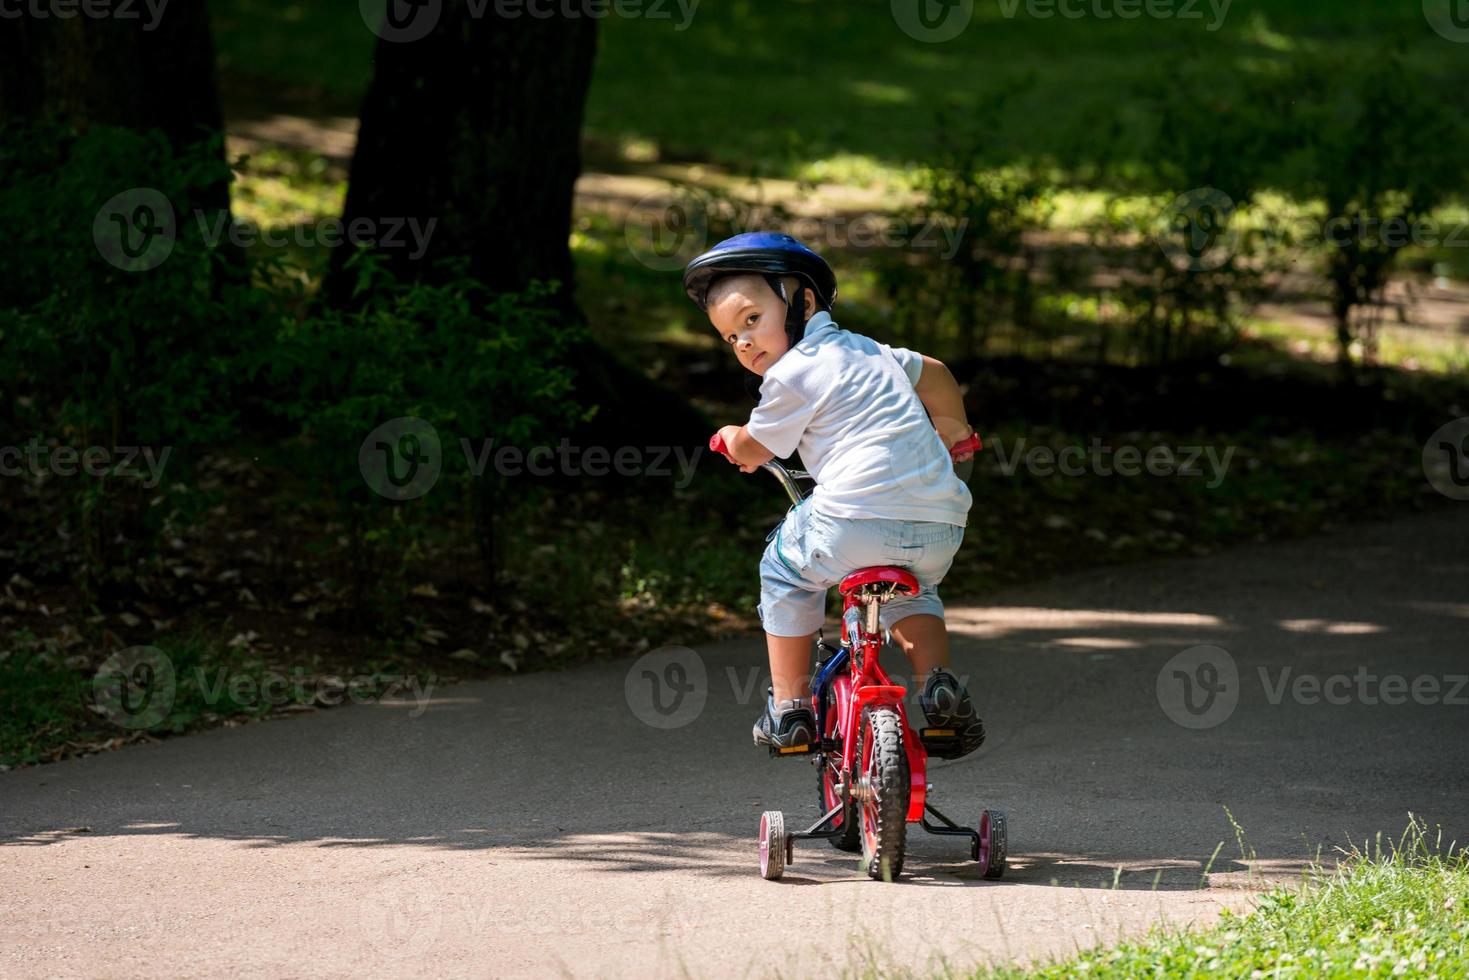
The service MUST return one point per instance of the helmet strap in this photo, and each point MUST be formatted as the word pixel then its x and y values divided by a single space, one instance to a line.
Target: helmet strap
pixel 795 317
pixel 795 328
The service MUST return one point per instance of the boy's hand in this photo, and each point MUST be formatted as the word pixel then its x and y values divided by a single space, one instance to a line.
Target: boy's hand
pixel 729 433
pixel 968 431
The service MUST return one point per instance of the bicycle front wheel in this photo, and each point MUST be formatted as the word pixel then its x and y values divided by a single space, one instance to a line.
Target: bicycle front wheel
pixel 883 789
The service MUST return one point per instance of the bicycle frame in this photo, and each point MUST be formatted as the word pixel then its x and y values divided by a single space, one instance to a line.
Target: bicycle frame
pixel 864 682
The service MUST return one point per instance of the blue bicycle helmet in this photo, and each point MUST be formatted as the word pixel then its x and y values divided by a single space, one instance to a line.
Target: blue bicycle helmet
pixel 769 254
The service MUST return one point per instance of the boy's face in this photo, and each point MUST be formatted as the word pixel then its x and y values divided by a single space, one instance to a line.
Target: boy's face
pixel 750 317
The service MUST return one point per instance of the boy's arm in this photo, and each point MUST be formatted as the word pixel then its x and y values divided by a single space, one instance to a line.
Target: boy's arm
pixel 744 449
pixel 943 400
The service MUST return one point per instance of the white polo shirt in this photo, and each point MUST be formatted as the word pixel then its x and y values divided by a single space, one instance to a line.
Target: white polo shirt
pixel 849 404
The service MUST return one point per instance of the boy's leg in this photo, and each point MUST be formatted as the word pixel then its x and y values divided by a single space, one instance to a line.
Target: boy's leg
pixel 924 640
pixel 944 700
pixel 790 665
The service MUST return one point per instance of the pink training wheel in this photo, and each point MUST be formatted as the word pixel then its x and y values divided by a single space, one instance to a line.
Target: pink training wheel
pixel 774 847
pixel 989 850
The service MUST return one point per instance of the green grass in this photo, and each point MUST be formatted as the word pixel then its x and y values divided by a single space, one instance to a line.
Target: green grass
pixel 836 93
pixel 791 86
pixel 800 88
pixel 1439 353
pixel 280 56
pixel 1387 910
pixel 52 704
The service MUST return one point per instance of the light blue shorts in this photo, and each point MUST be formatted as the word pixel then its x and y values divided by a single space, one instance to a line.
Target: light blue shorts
pixel 809 552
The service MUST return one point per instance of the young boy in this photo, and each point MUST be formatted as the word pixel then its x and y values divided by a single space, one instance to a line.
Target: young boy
pixel 873 425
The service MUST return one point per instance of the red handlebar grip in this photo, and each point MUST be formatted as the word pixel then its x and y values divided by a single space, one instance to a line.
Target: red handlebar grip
pixel 716 443
pixel 969 445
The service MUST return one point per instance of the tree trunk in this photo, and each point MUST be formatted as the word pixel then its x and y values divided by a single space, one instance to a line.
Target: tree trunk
pixel 135 72
pixel 474 125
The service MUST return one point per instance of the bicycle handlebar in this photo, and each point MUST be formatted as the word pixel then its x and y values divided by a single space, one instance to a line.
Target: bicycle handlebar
pixel 971 444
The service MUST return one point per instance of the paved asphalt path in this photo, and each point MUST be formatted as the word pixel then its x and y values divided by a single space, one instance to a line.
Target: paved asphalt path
pixel 540 825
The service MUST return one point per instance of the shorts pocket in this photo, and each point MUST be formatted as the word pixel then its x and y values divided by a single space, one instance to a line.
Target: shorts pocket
pixel 894 553
pixel 789 536
pixel 846 543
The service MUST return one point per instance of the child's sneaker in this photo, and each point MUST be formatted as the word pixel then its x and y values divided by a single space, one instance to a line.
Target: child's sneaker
pixel 788 728
pixel 954 729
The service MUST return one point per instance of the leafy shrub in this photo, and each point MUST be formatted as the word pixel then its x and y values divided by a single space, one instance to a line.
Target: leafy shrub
pixel 986 208
pixel 1379 147
pixel 472 364
pixel 102 353
pixel 1194 252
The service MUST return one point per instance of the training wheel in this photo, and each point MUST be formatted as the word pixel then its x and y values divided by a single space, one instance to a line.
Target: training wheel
pixel 989 850
pixel 775 847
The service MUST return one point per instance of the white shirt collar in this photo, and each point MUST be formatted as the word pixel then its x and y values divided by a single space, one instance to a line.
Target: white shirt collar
pixel 818 321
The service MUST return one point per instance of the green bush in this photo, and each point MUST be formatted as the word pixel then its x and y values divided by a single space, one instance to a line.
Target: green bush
pixel 470 364
pixel 1193 252
pixel 989 207
pixel 1376 143
pixel 95 349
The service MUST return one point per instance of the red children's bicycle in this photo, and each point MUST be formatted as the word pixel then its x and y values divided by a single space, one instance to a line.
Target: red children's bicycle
pixel 872 766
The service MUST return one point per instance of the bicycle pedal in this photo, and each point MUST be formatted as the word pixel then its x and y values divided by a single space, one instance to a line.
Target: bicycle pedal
pixel 939 742
pixel 792 750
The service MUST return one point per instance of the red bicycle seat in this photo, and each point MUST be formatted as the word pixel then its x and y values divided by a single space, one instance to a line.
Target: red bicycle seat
pixel 880 575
